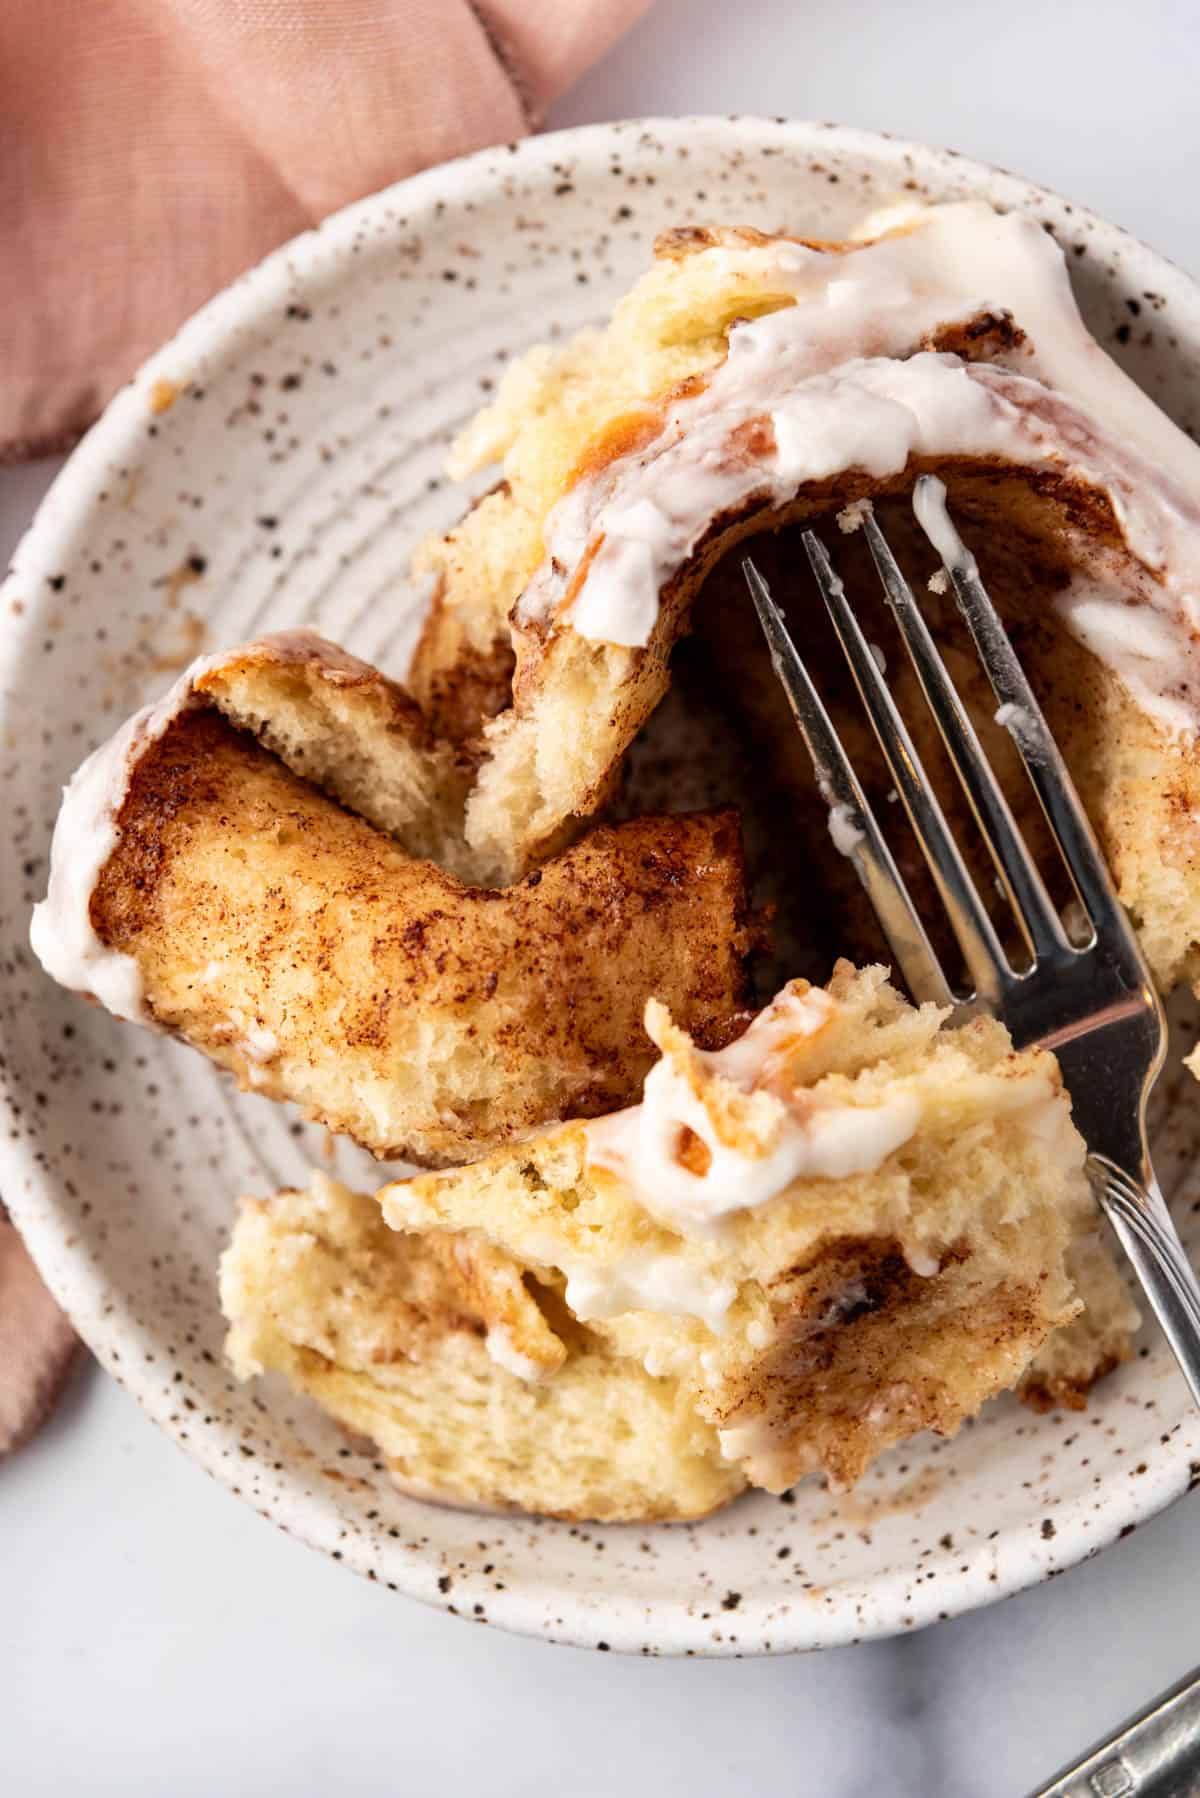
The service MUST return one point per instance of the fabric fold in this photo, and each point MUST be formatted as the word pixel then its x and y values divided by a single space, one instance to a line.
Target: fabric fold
pixel 151 150
pixel 37 1344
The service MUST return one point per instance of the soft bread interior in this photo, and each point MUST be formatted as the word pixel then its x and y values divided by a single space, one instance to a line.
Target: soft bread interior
pixel 437 1349
pixel 526 1332
pixel 845 1313
pixel 340 723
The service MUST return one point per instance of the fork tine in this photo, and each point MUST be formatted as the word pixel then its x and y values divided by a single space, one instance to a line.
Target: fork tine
pixel 839 785
pixel 976 934
pixel 1039 921
pixel 1022 716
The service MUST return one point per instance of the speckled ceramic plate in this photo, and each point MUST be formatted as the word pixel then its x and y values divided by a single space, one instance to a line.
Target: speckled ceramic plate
pixel 274 465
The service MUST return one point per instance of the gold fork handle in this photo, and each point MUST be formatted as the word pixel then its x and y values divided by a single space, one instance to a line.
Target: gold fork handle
pixel 1138 1213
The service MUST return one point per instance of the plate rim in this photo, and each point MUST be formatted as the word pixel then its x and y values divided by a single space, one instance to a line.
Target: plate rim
pixel 242 306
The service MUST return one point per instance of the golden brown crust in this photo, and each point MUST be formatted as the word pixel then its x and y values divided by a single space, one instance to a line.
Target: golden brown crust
pixel 418 1015
pixel 315 659
pixel 297 665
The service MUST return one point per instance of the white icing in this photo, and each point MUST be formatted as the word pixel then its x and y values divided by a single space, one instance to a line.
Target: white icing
pixel 259 1044
pixel 662 1283
pixel 1135 640
pixel 755 1055
pixel 773 1141
pixel 929 504
pixel 843 830
pixel 85 835
pixel 751 1441
pixel 897 215
pixel 831 383
pixel 933 516
pixel 500 1347
pixel 1013 718
pixel 87 831
pixel 1048 1120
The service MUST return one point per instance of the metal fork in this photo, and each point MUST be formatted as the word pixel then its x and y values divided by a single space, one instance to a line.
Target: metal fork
pixel 1092 1002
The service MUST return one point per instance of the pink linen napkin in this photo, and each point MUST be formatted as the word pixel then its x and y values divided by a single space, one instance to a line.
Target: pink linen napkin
pixel 150 150
pixel 37 1344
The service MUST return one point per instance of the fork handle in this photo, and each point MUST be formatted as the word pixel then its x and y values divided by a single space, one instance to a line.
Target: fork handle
pixel 1155 1753
pixel 1138 1213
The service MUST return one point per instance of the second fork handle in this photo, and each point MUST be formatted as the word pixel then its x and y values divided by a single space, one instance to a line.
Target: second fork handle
pixel 1141 1220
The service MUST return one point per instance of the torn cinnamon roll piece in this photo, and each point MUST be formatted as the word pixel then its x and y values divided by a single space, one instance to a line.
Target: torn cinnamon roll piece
pixel 200 884
pixel 471 1379
pixel 750 382
pixel 850 1224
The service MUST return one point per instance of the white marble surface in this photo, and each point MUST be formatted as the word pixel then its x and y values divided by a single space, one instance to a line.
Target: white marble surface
pixel 159 1638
